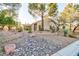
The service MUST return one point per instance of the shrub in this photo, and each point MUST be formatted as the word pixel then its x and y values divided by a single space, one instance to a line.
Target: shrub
pixel 1 51
pixel 19 30
pixel 29 31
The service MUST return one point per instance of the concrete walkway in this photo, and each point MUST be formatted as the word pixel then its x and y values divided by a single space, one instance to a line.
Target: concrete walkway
pixel 70 50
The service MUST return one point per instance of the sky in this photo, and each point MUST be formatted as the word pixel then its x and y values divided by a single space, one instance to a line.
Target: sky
pixel 25 17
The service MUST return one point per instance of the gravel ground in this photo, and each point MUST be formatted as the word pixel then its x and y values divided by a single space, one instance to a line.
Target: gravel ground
pixel 37 44
pixel 42 44
pixel 36 47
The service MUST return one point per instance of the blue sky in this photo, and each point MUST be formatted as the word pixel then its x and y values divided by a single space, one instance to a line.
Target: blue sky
pixel 25 17
pixel 61 6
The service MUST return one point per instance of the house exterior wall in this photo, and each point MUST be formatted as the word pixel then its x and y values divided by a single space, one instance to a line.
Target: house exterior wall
pixel 47 24
pixel 32 27
pixel 38 24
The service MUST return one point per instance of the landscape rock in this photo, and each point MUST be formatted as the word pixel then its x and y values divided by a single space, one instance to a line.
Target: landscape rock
pixel 13 28
pixel 9 48
pixel 5 28
pixel 35 47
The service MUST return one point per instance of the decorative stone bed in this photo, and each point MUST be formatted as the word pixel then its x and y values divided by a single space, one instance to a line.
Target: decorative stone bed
pixel 35 44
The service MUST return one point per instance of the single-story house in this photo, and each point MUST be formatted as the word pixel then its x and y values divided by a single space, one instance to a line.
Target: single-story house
pixel 37 26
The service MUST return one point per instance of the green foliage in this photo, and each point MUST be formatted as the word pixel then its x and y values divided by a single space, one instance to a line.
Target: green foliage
pixel 36 9
pixel 29 31
pixel 1 50
pixel 9 21
pixel 52 9
pixel 13 7
pixel 19 29
pixel 7 15
pixel 6 20
pixel 39 9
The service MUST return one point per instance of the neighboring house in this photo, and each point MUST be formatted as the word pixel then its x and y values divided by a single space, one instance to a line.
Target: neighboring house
pixel 27 26
pixel 37 26
pixel 52 25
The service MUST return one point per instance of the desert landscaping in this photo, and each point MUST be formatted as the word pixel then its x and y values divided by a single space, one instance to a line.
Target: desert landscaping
pixel 33 44
pixel 38 29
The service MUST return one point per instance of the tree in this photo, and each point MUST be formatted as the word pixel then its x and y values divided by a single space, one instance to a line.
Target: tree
pixel 12 8
pixel 9 15
pixel 39 9
pixel 52 9
pixel 76 16
pixel 67 14
pixel 6 20
pixel 9 21
pixel 2 16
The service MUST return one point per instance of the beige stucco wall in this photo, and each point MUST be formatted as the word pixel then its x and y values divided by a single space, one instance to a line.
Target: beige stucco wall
pixel 32 27
pixel 39 23
pixel 46 24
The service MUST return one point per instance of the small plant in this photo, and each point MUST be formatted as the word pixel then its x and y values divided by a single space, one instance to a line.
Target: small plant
pixel 19 30
pixel 29 31
pixel 1 51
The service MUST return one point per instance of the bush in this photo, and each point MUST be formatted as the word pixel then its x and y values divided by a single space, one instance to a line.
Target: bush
pixel 19 30
pixel 29 31
pixel 1 51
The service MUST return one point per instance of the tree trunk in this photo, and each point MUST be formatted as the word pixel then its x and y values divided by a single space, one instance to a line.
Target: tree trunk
pixel 42 21
pixel 57 25
pixel 70 25
pixel 75 28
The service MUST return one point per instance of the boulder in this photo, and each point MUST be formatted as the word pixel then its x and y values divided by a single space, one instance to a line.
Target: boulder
pixel 9 48
pixel 13 28
pixel 1 27
pixel 22 27
pixel 5 28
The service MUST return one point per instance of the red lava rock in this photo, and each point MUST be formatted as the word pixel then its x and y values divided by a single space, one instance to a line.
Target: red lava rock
pixel 9 48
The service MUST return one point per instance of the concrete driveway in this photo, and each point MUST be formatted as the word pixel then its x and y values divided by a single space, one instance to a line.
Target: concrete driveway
pixel 70 50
